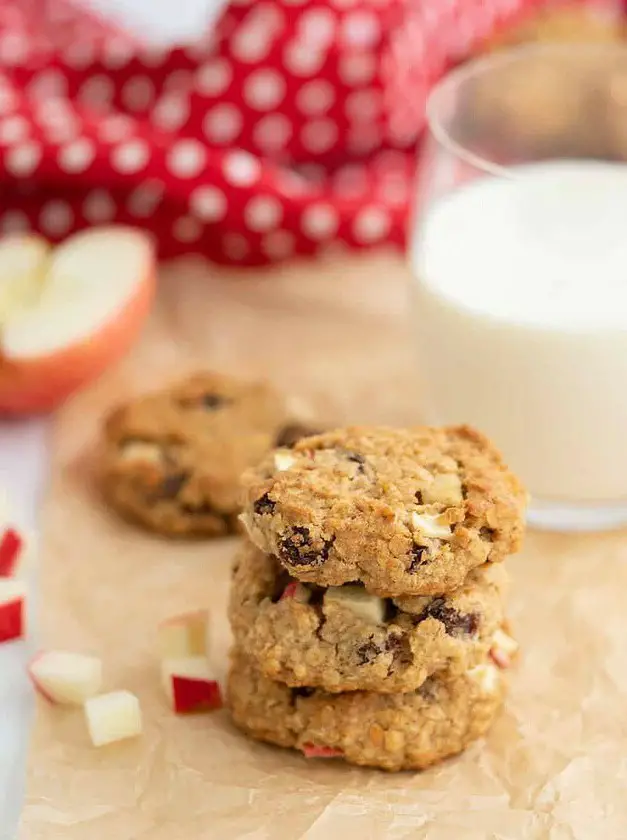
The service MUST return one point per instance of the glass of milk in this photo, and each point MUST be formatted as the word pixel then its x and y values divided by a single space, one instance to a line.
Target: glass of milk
pixel 519 259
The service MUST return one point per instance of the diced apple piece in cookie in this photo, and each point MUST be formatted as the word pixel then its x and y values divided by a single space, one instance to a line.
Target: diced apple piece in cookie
pixel 12 609
pixel 446 489
pixel 66 678
pixel 357 600
pixel 84 304
pixel 487 676
pixel 283 461
pixel 113 717
pixel 431 526
pixel 11 546
pixel 503 649
pixel 297 592
pixel 184 635
pixel 189 685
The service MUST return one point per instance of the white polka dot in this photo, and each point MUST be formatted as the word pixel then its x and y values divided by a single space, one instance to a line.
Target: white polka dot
pixel 317 27
pixel 235 246
pixel 250 46
pixel 48 83
pixel 364 138
pixel 223 123
pixel 179 80
pixel 79 54
pixel 315 97
pixel 363 105
pixel 56 218
pixel 138 93
pixel 14 48
pixel 187 229
pixel 361 29
pixel 153 56
pixel 130 156
pixel 187 158
pixel 394 189
pixel 171 112
pixel 7 100
pixel 263 213
pixel 98 207
pixel 208 203
pixel 97 91
pixel 144 200
pixel 14 221
pixel 319 136
pixel 13 130
pixel 292 184
pixel 278 245
pixel 272 132
pixel 264 90
pixel 115 128
pixel 350 181
pixel 214 77
pixel 371 224
pixel 319 221
pixel 117 52
pixel 241 169
pixel 24 159
pixel 302 60
pixel 403 131
pixel 77 156
pixel 357 69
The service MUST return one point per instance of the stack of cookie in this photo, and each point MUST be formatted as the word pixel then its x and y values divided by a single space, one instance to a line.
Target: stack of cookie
pixel 368 604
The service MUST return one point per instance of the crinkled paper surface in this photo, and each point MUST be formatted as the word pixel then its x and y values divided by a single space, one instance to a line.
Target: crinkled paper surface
pixel 337 338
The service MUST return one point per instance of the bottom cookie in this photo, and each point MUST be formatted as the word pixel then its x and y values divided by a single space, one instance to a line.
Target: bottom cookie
pixel 391 731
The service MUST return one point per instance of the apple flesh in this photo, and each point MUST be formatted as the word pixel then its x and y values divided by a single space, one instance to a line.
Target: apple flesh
pixel 315 751
pixel 368 607
pixel 296 592
pixel 12 609
pixel 184 635
pixel 190 686
pixel 11 545
pixel 66 678
pixel 113 717
pixel 82 306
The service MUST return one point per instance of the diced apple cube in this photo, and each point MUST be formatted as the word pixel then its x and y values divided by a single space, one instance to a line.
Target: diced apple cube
pixel 113 717
pixel 431 526
pixel 297 592
pixel 283 461
pixel 66 678
pixel 368 607
pixel 189 685
pixel 140 450
pixel 446 489
pixel 487 676
pixel 184 635
pixel 11 545
pixel 315 751
pixel 12 609
pixel 505 642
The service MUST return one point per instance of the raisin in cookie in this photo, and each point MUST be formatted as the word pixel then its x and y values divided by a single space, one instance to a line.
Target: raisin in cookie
pixel 405 512
pixel 407 731
pixel 172 459
pixel 345 639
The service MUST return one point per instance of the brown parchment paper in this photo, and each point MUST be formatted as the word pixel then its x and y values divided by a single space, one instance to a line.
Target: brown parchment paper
pixel 337 338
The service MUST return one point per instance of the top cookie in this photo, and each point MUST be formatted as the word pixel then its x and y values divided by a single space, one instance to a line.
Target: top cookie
pixel 172 459
pixel 405 512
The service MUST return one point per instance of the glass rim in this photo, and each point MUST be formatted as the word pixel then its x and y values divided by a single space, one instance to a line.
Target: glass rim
pixel 476 67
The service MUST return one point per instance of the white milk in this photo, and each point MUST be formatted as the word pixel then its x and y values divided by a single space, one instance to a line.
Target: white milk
pixel 521 319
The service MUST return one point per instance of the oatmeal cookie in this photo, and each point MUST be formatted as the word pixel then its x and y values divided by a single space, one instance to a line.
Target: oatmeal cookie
pixel 405 512
pixel 407 731
pixel 172 459
pixel 344 639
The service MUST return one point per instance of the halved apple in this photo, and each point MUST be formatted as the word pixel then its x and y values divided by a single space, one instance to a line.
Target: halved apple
pixel 68 313
pixel 12 609
pixel 189 685
pixel 66 678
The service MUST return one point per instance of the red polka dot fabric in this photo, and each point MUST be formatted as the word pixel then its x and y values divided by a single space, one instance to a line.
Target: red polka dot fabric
pixel 288 128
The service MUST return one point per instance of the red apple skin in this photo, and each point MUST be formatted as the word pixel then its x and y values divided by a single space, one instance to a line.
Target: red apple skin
pixel 40 384
pixel 12 620
pixel 289 591
pixel 192 695
pixel 10 548
pixel 500 658
pixel 314 751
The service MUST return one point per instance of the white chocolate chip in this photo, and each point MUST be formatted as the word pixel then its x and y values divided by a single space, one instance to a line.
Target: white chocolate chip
pixel 431 526
pixel 358 601
pixel 445 488
pixel 505 643
pixel 142 451
pixel 487 676
pixel 283 461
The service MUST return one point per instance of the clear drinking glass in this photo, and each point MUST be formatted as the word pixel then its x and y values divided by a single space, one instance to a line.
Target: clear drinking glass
pixel 519 259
